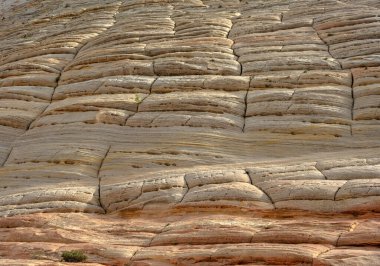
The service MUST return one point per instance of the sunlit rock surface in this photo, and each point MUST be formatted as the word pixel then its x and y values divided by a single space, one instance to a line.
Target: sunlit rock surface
pixel 214 132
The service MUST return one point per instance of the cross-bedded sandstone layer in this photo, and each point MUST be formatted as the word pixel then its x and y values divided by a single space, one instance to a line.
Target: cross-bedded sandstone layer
pixel 185 236
pixel 188 131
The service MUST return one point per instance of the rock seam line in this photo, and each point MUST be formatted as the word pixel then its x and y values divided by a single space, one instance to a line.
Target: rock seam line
pixel 232 47
pixel 251 181
pixel 246 105
pixel 184 194
pixel 353 101
pixel 336 192
pixel 138 104
pixel 327 45
pixel 99 179
pixel 6 159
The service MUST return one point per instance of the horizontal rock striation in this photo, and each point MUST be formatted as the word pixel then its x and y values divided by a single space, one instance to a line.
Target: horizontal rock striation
pixel 208 132
pixel 187 236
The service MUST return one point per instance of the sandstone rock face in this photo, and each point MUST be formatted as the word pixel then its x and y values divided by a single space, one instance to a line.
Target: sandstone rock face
pixel 173 132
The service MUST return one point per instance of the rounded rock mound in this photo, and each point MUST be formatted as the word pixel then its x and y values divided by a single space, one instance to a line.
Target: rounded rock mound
pixel 172 132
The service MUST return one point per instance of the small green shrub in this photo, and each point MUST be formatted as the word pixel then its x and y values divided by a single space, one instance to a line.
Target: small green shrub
pixel 138 99
pixel 73 256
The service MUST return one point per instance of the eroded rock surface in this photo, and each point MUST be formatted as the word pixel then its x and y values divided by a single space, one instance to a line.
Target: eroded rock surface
pixel 210 132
